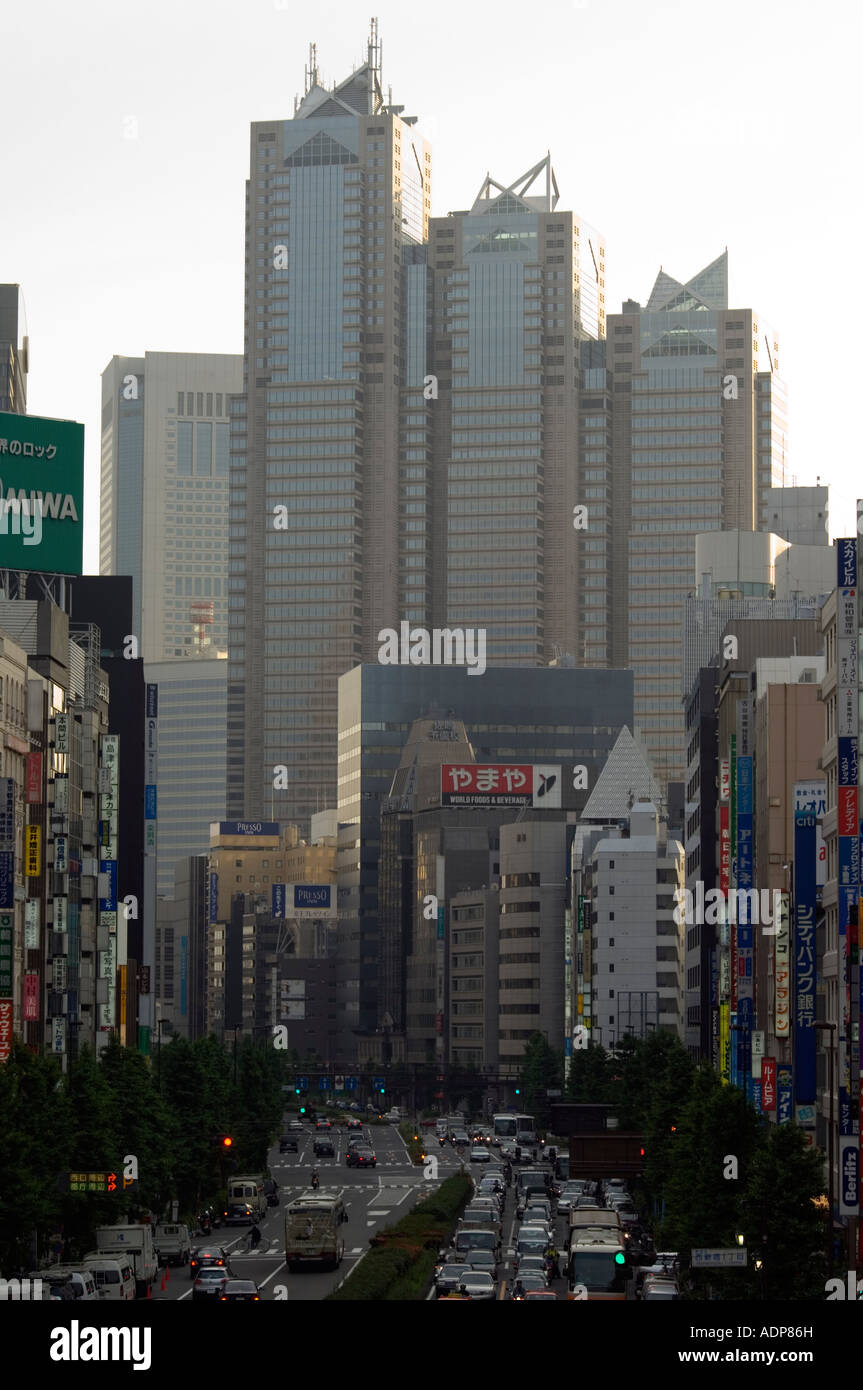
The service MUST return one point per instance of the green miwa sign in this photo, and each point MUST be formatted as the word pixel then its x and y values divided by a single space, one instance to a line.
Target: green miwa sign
pixel 41 494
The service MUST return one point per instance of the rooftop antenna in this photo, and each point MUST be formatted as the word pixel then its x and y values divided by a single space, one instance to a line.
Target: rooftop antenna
pixel 312 69
pixel 374 69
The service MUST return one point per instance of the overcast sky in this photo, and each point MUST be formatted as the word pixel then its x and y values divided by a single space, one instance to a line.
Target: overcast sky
pixel 677 129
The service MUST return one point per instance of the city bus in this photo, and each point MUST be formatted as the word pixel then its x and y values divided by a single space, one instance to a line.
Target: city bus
pixel 515 1129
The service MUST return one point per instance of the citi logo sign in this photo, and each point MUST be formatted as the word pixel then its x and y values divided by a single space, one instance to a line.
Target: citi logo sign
pixel 28 1290
pixel 746 906
pixel 442 646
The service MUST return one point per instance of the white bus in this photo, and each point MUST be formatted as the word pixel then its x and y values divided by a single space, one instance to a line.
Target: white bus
pixel 515 1129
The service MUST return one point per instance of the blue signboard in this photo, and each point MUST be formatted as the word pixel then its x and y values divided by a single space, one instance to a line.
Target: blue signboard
pixel 804 957
pixel 248 827
pixel 377 1081
pixel 149 803
pixel 325 1084
pixel 109 903
pixel 313 895
pixel 756 1093
pixel 846 564
pixel 351 1083
pixel 784 1094
pixel 278 900
pixel 849 864
pixel 7 878
pixel 733 1049
pixel 847 762
pixel 303 1083
pixel 849 1174
pixel 152 701
pixel 214 897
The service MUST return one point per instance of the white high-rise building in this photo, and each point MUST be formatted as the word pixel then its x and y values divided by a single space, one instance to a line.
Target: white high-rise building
pixel 164 494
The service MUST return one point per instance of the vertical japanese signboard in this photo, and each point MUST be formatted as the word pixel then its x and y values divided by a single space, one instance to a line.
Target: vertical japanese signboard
pixel 6 998
pixel 745 929
pixel 804 957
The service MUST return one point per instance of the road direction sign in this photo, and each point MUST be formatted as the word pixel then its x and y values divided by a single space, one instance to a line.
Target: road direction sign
pixel 351 1083
pixel 735 1258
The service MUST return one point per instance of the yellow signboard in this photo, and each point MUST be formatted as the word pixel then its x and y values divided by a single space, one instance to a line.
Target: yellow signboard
pixel 33 850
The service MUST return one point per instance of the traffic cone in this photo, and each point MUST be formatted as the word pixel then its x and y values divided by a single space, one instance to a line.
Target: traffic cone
pixel 167 1274
pixel 149 1291
pixel 162 1286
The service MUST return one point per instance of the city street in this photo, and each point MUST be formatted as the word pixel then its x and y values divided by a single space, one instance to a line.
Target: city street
pixel 374 1197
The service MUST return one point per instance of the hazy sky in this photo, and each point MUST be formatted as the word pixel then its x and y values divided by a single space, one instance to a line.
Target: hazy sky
pixel 677 129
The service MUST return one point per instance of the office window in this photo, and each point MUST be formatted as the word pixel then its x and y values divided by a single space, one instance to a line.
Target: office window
pixel 204 450
pixel 184 446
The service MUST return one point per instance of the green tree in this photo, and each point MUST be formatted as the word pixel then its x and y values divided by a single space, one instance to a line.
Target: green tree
pixel 35 1146
pixel 589 1081
pixel 780 1221
pixel 541 1070
pixel 717 1138
pixel 143 1121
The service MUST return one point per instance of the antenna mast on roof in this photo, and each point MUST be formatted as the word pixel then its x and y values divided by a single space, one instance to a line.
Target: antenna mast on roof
pixel 312 69
pixel 374 69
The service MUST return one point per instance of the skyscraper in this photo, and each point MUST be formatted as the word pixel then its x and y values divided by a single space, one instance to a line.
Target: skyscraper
pixel 338 203
pixel 683 431
pixel 164 494
pixel 518 285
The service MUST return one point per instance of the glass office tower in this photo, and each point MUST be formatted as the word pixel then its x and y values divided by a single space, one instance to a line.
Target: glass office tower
pixel 518 285
pixel 336 339
pixel 694 436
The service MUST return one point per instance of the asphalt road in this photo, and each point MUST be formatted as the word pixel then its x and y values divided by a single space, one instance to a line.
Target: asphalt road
pixel 374 1197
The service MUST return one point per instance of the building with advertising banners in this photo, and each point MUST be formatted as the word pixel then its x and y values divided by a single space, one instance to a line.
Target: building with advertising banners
pixel 14 350
pixel 552 717
pixel 835 1087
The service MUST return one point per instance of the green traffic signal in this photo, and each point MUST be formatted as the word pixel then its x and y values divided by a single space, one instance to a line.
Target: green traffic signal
pixel 620 1258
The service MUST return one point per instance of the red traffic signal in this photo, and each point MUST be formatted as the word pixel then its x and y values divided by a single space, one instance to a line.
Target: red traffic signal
pixel 227 1142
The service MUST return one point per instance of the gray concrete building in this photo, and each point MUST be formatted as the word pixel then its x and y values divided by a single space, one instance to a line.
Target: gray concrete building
pixel 164 494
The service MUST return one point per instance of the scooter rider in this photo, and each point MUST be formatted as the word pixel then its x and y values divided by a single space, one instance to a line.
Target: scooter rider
pixel 315 1179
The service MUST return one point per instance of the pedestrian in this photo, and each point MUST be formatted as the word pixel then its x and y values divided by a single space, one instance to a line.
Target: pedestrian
pixel 555 1262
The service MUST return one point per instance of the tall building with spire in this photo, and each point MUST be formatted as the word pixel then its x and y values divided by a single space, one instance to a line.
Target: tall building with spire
pixel 683 430
pixel 519 284
pixel 337 322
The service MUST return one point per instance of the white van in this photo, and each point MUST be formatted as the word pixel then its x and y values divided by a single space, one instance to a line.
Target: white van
pixel 78 1277
pixel 115 1279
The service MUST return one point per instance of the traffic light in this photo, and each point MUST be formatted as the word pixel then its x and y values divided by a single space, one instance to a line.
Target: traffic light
pixel 227 1142
pixel 302 1110
pixel 518 1090
pixel 620 1258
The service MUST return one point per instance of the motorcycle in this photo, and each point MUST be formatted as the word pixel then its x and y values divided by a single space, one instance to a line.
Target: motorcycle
pixel 315 1181
pixel 204 1224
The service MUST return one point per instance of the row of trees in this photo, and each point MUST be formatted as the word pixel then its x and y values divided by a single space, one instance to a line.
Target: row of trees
pixel 170 1115
pixel 714 1168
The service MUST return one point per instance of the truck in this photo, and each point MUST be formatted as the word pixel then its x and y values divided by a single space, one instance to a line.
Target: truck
pixel 246 1189
pixel 313 1234
pixel 173 1244
pixel 598 1267
pixel 134 1240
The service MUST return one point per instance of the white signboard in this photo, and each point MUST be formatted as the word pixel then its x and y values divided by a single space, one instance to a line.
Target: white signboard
pixel 720 1259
